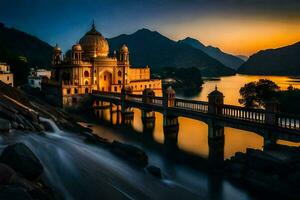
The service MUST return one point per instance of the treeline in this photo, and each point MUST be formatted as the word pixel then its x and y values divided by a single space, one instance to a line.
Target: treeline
pixel 183 78
pixel 257 94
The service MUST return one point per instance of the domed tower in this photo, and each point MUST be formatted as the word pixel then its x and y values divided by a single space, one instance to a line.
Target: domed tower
pixel 124 54
pixel 56 58
pixel 94 44
pixel 76 53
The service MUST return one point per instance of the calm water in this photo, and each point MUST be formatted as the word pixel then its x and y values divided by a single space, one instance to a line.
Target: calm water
pixel 192 135
pixel 192 139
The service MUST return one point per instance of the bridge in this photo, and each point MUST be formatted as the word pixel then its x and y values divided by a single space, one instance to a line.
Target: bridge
pixel 270 123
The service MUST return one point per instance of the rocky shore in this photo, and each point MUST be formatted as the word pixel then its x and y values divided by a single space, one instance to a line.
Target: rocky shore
pixel 276 170
pixel 20 169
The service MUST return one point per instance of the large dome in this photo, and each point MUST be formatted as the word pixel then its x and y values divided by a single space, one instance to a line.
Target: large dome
pixel 94 44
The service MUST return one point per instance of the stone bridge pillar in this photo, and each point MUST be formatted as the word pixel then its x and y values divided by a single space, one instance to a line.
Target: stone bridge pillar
pixel 126 111
pixel 148 116
pixel 216 151
pixel 215 102
pixel 272 107
pixel 216 139
pixel 170 122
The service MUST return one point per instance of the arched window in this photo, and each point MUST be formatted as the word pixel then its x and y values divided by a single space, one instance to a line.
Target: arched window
pixel 119 73
pixel 86 82
pixel 86 74
pixel 75 90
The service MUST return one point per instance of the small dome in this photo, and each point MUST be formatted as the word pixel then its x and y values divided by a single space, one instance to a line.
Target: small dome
pixel 57 48
pixel 76 47
pixel 216 93
pixel 94 44
pixel 170 90
pixel 124 49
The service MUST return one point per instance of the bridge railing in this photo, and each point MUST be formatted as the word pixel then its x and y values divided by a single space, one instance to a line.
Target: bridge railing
pixel 287 120
pixel 115 94
pixel 255 115
pixel 199 106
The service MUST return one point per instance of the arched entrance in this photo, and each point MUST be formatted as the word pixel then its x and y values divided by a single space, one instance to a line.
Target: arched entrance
pixel 105 81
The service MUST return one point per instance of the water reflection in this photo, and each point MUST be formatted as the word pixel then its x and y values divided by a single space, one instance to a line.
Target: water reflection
pixel 192 135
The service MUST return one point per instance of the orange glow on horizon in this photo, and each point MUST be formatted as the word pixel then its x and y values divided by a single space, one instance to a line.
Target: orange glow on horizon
pixel 238 36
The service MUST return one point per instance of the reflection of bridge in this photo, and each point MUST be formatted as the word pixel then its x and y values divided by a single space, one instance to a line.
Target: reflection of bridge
pixel 269 123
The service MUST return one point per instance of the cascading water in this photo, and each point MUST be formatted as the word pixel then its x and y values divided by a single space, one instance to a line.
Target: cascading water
pixel 76 170
pixel 50 125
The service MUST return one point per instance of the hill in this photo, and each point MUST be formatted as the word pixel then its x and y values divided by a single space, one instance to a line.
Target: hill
pixel 151 48
pixel 281 61
pixel 228 60
pixel 22 51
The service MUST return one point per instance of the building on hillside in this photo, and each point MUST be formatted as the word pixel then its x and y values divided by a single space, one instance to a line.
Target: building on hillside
pixel 36 76
pixel 89 66
pixel 5 75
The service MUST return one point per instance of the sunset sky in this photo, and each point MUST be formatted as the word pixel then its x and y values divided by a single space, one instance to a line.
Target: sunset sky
pixel 235 26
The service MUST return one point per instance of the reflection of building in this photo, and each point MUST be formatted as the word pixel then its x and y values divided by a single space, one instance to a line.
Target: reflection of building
pixel 36 76
pixel 88 67
pixel 5 75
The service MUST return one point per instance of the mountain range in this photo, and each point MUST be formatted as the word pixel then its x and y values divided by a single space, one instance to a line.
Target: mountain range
pixel 21 51
pixel 151 48
pixel 281 61
pixel 228 60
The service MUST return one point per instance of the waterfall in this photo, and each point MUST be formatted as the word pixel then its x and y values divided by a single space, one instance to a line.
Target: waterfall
pixel 50 125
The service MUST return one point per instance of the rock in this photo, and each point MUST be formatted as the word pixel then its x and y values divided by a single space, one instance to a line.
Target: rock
pixel 95 139
pixel 235 170
pixel 22 160
pixel 155 171
pixel 4 125
pixel 13 193
pixel 130 153
pixel 6 174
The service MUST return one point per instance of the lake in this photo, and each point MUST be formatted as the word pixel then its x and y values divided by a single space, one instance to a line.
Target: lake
pixel 192 138
pixel 192 135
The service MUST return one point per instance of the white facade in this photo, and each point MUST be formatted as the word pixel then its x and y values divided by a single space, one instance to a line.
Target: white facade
pixel 36 76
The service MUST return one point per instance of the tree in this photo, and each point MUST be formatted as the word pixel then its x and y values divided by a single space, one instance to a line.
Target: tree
pixel 255 94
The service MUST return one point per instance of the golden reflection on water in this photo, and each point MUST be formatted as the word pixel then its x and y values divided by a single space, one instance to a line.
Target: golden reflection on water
pixel 193 134
pixel 231 85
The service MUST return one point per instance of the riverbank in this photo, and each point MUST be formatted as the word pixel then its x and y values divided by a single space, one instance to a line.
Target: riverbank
pixel 55 140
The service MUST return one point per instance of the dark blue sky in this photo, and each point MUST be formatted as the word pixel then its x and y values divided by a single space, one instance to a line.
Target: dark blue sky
pixel 65 21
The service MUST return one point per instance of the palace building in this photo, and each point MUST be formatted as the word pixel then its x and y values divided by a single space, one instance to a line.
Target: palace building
pixel 90 65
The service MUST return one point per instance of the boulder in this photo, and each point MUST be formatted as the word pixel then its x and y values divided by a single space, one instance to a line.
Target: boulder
pixel 22 160
pixel 130 153
pixel 95 139
pixel 155 171
pixel 6 174
pixel 13 193
pixel 4 126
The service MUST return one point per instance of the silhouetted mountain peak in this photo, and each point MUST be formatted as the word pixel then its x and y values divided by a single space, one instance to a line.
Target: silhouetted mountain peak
pixel 280 61
pixel 149 47
pixel 227 59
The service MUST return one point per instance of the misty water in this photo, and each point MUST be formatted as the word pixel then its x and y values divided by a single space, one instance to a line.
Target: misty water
pixel 77 170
